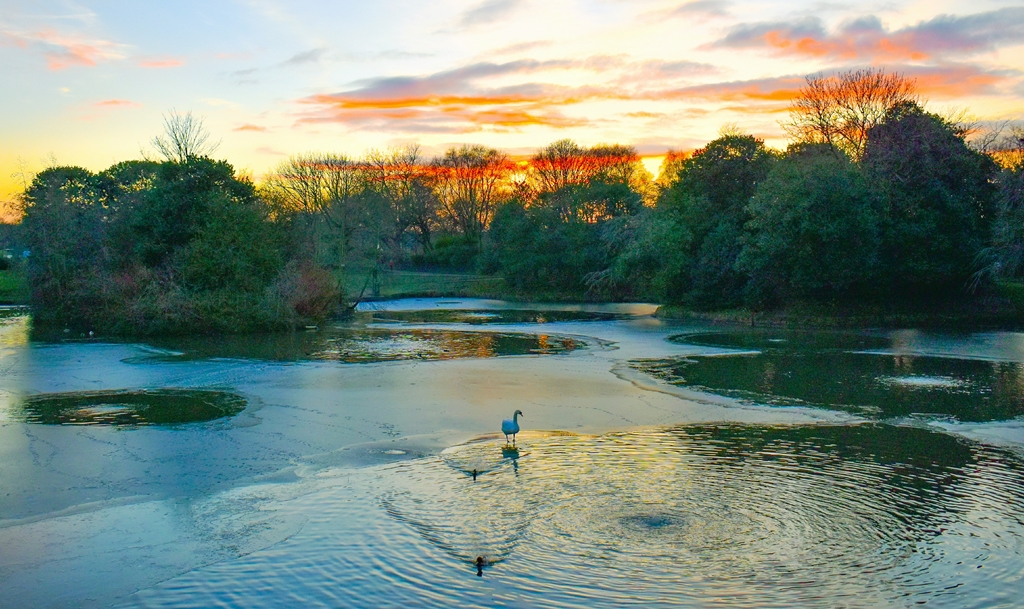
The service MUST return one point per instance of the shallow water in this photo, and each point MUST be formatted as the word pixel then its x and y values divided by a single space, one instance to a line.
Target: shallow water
pixel 804 469
pixel 357 343
pixel 131 407
pixel 849 372
pixel 747 516
pixel 500 316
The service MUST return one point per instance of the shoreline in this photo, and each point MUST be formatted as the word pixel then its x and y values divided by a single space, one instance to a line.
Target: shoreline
pixel 955 318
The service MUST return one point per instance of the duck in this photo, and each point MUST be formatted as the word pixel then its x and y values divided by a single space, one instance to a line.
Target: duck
pixel 511 426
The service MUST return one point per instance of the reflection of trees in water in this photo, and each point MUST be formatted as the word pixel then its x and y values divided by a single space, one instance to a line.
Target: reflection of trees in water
pixel 866 383
pixel 359 345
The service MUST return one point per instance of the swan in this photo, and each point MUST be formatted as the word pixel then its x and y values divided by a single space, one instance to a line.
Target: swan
pixel 511 426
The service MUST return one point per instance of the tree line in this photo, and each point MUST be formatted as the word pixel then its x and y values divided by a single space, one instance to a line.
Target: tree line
pixel 875 198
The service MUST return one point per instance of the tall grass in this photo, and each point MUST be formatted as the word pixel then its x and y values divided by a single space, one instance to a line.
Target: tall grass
pixel 13 287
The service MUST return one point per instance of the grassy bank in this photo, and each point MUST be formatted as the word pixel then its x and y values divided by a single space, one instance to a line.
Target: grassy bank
pixel 13 287
pixel 411 284
pixel 1003 309
pixel 425 284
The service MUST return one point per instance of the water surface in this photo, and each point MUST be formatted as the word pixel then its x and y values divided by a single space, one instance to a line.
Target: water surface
pixel 130 407
pixel 491 316
pixel 747 516
pixel 849 372
pixel 358 485
pixel 358 344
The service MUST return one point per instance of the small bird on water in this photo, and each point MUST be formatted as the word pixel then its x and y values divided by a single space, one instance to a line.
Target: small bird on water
pixel 511 426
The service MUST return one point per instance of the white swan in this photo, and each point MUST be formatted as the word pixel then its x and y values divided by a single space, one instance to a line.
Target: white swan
pixel 511 426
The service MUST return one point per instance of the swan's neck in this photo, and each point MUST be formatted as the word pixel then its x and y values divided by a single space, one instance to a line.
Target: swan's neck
pixel 515 418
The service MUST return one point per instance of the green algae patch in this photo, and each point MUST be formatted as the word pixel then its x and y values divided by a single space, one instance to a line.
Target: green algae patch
pixel 130 408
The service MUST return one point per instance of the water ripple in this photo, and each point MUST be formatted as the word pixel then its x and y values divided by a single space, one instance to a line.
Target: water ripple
pixel 746 516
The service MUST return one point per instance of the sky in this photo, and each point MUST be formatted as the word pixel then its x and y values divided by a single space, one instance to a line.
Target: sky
pixel 87 83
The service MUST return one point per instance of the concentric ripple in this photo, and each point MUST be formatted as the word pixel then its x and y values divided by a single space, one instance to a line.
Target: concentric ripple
pixel 744 516
pixel 787 515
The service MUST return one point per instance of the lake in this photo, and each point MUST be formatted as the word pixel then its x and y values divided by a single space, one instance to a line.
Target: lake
pixel 660 464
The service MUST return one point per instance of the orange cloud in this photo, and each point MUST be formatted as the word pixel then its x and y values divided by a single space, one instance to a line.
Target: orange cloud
pixel 342 102
pixel 161 63
pixel 117 103
pixel 751 109
pixel 845 48
pixel 62 51
pixel 867 38
pixel 408 104
pixel 952 82
pixel 452 118
pixel 250 127
pixel 453 113
pixel 782 89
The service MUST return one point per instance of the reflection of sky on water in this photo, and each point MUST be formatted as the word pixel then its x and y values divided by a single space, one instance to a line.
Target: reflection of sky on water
pixel 1005 346
pixel 749 515
pixel 669 515
pixel 14 334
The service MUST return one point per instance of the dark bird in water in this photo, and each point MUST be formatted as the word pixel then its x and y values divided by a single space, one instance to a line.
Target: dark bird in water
pixel 479 566
pixel 510 427
pixel 474 474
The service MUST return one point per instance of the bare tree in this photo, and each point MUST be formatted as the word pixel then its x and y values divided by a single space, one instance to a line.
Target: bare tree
pixel 841 109
pixel 315 184
pixel 560 164
pixel 565 163
pixel 469 183
pixel 184 138
pixel 1008 151
pixel 323 190
pixel 398 176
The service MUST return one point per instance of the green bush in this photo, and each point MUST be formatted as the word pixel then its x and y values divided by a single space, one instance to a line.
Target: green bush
pixel 813 231
pixel 168 248
pixel 450 252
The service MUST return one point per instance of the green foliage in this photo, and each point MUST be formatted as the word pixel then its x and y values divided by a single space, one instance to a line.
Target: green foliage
pixel 64 229
pixel 723 176
pixel 536 249
pixel 813 230
pixel 13 287
pixel 650 255
pixel 187 192
pixel 709 196
pixel 1006 256
pixel 937 203
pixel 150 248
pixel 453 252
pixel 234 248
pixel 738 224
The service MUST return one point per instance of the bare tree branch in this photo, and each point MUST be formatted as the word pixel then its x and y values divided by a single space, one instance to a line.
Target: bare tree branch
pixel 841 109
pixel 184 138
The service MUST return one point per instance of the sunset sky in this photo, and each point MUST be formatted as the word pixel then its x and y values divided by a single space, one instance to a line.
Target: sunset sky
pixel 86 83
